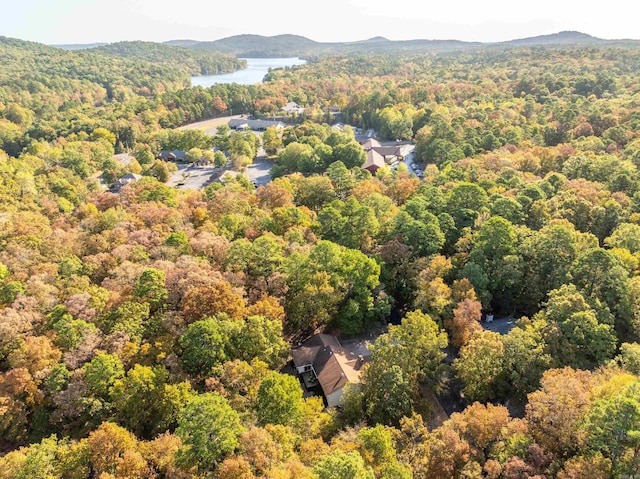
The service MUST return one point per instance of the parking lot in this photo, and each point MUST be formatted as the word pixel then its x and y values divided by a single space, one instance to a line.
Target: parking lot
pixel 258 171
pixel 193 177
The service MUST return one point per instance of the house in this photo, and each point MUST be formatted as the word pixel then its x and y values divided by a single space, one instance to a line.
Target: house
pixel 370 143
pixel 378 155
pixel 292 107
pixel 321 360
pixel 374 161
pixel 125 180
pixel 254 125
pixel 123 158
pixel 174 155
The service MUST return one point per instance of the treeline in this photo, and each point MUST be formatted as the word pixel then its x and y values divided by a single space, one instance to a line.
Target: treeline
pixel 195 62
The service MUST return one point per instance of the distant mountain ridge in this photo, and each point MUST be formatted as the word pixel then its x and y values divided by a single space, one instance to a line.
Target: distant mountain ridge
pixel 287 45
pixel 296 45
pixel 560 38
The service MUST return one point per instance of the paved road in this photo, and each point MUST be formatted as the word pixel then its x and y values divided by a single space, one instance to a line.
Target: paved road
pixel 209 126
pixel 408 158
pixel 500 325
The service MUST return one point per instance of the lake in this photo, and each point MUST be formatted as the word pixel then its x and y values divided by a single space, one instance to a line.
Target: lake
pixel 256 69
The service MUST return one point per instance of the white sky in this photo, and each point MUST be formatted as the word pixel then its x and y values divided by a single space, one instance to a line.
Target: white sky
pixel 88 21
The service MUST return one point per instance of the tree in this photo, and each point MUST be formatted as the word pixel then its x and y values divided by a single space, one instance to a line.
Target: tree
pixel 206 301
pixel 350 154
pixel 271 140
pixel 341 177
pixel 348 223
pixel 145 403
pixel 388 393
pixel 377 445
pixel 261 338
pixel 342 465
pixel 526 356
pixel 209 429
pixel 494 251
pixel 219 159
pixel 193 155
pixel 279 400
pixel 548 254
pixel 260 449
pixel 556 410
pixel 409 353
pixel 613 428
pixel 464 201
pixel 424 234
pixel 581 339
pixel 335 285
pixel 150 287
pixel 465 322
pixel 102 372
pixel 481 366
pixel 599 274
pixel 481 426
pixel 114 450
pixel 208 343
pixel 629 357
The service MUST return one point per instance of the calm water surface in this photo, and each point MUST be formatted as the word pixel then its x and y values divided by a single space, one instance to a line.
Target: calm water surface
pixel 256 69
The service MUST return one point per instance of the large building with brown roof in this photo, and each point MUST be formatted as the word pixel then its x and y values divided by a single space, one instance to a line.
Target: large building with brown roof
pixel 322 360
pixel 378 155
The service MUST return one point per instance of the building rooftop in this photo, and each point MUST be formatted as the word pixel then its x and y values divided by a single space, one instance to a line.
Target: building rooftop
pixel 333 365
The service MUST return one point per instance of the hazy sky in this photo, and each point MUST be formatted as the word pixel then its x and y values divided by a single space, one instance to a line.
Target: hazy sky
pixel 87 21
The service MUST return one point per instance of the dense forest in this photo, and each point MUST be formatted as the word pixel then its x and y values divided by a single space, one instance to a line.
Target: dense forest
pixel 144 332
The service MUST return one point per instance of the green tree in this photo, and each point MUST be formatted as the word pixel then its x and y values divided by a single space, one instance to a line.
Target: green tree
pixel 599 274
pixel 150 287
pixel 629 357
pixel 219 159
pixel 208 343
pixel 548 255
pixel 388 393
pixel 332 284
pixel 613 428
pixel 481 366
pixel 194 154
pixel 424 234
pixel 102 372
pixel 279 400
pixel 464 202
pixel 580 338
pixel 271 140
pixel 377 445
pixel 209 429
pixel 261 338
pixel 350 154
pixel 342 465
pixel 408 353
pixel 143 154
pixel 495 252
pixel 145 403
pixel 526 356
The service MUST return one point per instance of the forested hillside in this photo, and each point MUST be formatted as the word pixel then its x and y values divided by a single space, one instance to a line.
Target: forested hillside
pixel 195 62
pixel 144 330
